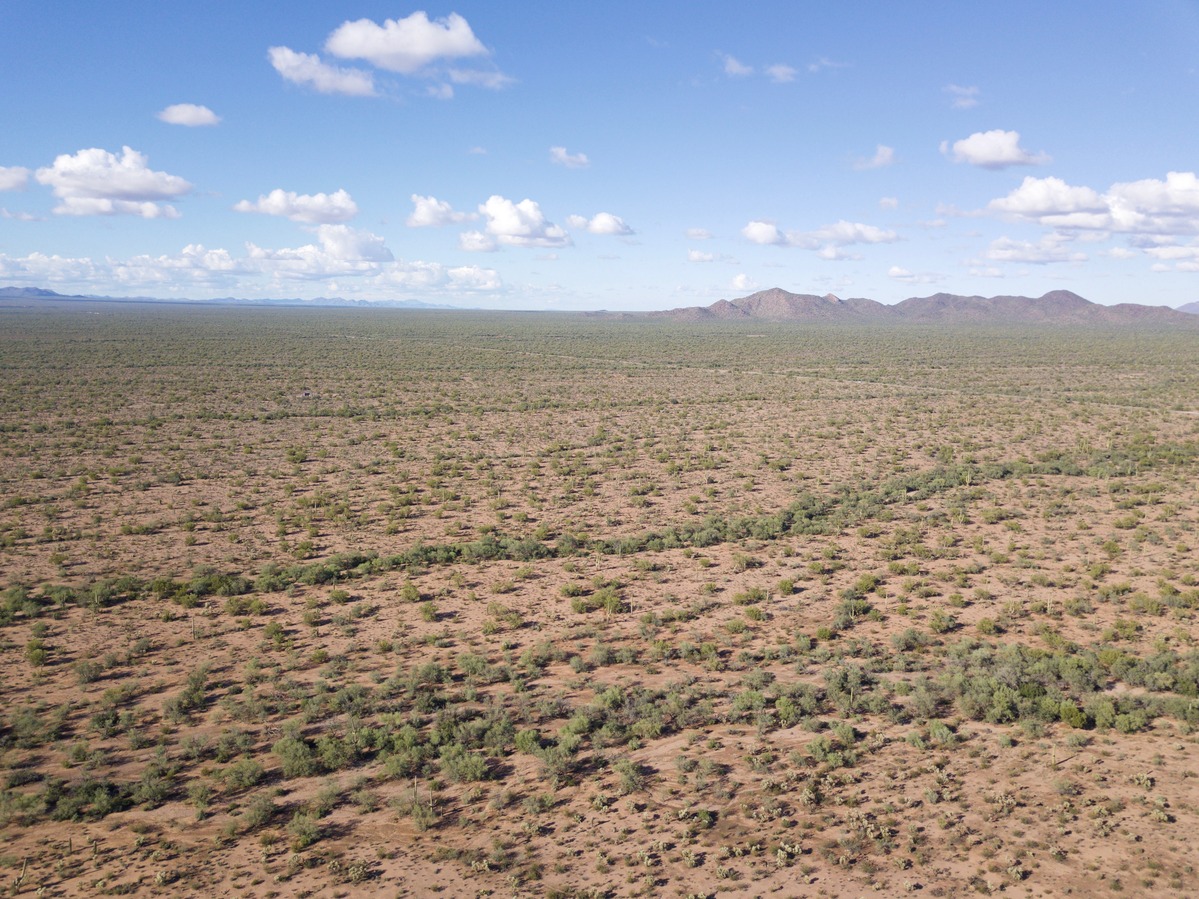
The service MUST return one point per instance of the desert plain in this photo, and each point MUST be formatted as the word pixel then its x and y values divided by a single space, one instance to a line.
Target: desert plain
pixel 303 602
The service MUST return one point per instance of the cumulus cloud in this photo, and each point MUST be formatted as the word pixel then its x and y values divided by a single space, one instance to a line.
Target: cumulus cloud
pixel 194 266
pixel 309 70
pixel 962 97
pixel 743 282
pixel 405 45
pixel 1049 249
pixel 96 182
pixel 700 256
pixel 420 47
pixel 559 156
pixel 1148 206
pixel 600 223
pixel 780 74
pixel 1182 258
pixel 13 177
pixel 883 157
pixel 733 67
pixel 188 114
pixel 888 203
pixel 515 225
pixel 430 212
pixel 992 150
pixel 477 242
pixel 843 233
pixel 765 233
pixel 312 209
pixel 472 277
pixel 827 240
pixel 40 269
pixel 339 252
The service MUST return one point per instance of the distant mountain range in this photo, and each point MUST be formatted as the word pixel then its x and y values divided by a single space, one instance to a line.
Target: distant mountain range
pixel 38 293
pixel 1058 307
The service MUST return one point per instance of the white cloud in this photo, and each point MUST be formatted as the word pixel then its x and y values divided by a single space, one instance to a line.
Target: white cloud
pixel 1182 258
pixel 308 69
pixel 341 251
pixel 888 203
pixel 570 160
pixel 312 209
pixel 516 225
pixel 734 67
pixel 1053 202
pixel 344 243
pixel 40 269
pixel 985 271
pixel 843 233
pixel 1050 248
pixel 899 273
pixel 13 177
pixel 698 234
pixel 477 242
pixel 743 282
pixel 440 91
pixel 488 78
pixel 962 97
pixel 194 266
pixel 827 241
pixel 883 157
pixel 188 114
pixel 430 212
pixel 1148 206
pixel 699 256
pixel 405 45
pixel 18 216
pixel 96 182
pixel 600 223
pixel 765 233
pixel 780 74
pixel 1178 195
pixel 992 150
pixel 472 277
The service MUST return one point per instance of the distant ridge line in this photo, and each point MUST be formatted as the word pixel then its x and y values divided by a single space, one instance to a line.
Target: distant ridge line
pixel 1058 307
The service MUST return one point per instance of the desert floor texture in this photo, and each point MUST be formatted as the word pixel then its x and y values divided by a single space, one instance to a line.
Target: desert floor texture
pixel 305 602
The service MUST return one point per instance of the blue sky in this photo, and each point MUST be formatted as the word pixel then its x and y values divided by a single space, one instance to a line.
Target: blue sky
pixel 600 155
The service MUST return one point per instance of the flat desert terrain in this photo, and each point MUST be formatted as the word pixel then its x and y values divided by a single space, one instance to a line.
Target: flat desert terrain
pixel 303 602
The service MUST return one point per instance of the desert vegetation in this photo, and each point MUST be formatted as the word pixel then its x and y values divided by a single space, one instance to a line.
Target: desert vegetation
pixel 309 601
